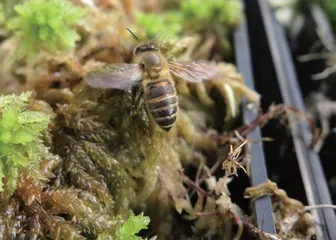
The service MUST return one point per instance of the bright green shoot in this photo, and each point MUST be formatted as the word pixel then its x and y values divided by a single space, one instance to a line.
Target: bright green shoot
pixel 45 24
pixel 20 138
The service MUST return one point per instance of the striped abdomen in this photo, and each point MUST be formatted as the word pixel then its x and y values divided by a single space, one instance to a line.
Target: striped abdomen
pixel 161 101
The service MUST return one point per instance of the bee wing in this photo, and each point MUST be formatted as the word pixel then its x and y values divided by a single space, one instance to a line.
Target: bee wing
pixel 194 71
pixel 121 76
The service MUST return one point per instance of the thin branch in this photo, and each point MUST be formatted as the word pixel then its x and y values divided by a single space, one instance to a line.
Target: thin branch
pixel 191 184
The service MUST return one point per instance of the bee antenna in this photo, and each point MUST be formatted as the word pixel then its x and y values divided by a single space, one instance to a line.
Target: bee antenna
pixel 134 35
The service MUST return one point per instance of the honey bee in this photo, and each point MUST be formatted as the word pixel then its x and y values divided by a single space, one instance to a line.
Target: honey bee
pixel 151 72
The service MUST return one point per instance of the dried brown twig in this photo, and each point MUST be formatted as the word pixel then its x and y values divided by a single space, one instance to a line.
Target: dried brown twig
pixel 192 184
pixel 233 160
pixel 275 111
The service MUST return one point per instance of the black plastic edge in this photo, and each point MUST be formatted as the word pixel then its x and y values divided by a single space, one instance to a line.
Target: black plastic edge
pixel 309 162
pixel 258 172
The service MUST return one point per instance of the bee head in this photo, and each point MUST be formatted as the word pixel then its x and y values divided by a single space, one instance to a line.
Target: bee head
pixel 148 55
pixel 145 48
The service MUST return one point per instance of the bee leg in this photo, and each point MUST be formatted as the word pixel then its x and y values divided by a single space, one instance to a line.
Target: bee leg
pixel 137 99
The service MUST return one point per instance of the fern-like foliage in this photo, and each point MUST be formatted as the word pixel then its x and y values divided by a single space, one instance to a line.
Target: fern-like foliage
pixel 45 24
pixel 20 142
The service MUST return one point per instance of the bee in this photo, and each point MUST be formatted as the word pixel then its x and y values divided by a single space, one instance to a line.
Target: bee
pixel 152 73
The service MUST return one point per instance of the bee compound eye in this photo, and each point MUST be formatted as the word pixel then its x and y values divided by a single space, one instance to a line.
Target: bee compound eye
pixel 152 59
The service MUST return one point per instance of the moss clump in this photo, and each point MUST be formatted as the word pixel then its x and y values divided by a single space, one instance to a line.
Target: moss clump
pixel 2 14
pixel 45 24
pixel 169 22
pixel 196 14
pixel 211 19
pixel 211 12
pixel 20 142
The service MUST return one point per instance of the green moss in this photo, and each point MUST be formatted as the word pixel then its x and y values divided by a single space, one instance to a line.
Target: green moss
pixel 132 226
pixel 209 12
pixel 45 24
pixel 209 18
pixel 20 132
pixel 222 11
pixel 202 14
pixel 168 24
pixel 2 14
pixel 7 10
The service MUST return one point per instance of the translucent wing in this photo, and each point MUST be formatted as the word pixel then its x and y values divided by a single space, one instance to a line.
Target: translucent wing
pixel 194 71
pixel 121 76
